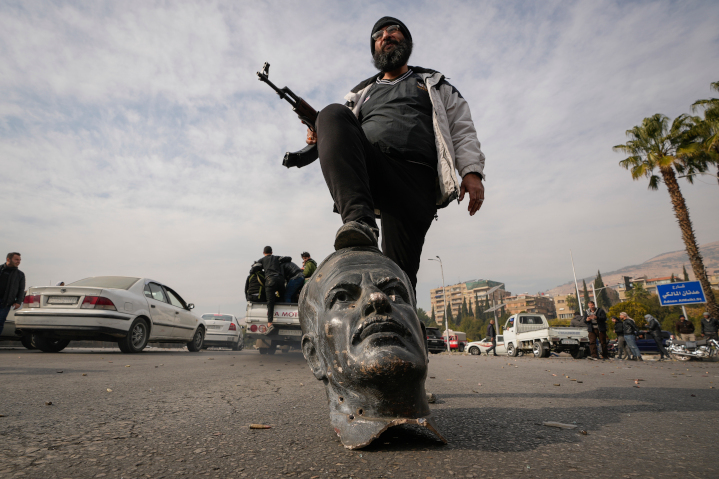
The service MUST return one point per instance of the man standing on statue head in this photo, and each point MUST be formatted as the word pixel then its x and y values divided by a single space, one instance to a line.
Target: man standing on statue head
pixel 395 149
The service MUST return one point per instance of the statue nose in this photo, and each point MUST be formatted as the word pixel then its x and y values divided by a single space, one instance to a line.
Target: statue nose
pixel 379 303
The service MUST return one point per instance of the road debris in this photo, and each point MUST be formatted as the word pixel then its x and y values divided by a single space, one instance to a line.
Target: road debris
pixel 260 426
pixel 109 390
pixel 431 398
pixel 583 432
pixel 59 372
pixel 557 384
pixel 560 425
pixel 48 403
pixel 84 374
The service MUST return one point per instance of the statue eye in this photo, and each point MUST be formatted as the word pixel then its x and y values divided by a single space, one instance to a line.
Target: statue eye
pixel 395 294
pixel 341 296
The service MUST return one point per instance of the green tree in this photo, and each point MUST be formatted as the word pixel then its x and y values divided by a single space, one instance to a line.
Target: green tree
pixel 672 279
pixel 471 311
pixel 477 310
pixel 450 320
pixel 602 297
pixel 422 315
pixel 572 303
pixel 704 147
pixel 465 310
pixel 585 299
pixel 434 318
pixel 684 273
pixel 637 293
pixel 656 145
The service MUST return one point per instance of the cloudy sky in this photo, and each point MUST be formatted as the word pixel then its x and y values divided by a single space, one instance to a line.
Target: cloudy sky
pixel 136 140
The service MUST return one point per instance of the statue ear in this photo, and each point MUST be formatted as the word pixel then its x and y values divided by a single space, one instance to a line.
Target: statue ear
pixel 309 349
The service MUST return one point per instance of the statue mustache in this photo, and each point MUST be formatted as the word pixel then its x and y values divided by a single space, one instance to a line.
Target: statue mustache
pixel 380 323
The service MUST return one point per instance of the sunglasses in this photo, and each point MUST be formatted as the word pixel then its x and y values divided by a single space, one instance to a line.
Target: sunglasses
pixel 390 30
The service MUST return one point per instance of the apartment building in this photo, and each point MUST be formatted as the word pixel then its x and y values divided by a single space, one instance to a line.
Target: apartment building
pixel 650 284
pixel 561 308
pixel 472 291
pixel 530 303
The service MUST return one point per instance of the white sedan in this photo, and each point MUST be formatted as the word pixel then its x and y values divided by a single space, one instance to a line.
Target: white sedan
pixel 478 347
pixel 129 311
pixel 223 330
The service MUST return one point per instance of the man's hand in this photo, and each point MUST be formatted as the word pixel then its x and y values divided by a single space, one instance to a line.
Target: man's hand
pixel 472 184
pixel 311 137
pixel 16 305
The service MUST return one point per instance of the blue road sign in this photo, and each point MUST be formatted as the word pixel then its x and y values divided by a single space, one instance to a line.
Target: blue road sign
pixel 676 294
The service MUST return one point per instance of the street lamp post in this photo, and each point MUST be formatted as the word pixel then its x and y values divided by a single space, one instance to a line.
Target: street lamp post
pixel 446 304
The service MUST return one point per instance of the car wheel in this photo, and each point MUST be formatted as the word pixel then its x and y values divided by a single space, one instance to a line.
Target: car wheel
pixel 538 349
pixel 263 350
pixel 461 348
pixel 47 345
pixel 195 345
pixel 682 358
pixel 474 350
pixel 511 350
pixel 136 338
pixel 28 341
pixel 272 349
pixel 237 346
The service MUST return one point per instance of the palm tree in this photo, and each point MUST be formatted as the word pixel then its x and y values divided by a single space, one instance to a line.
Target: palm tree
pixel 654 146
pixel 705 147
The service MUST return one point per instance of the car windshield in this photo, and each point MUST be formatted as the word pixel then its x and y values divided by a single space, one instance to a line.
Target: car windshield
pixel 109 282
pixel 217 317
pixel 433 333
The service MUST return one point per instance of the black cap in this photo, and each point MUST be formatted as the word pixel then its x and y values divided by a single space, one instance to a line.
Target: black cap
pixel 383 22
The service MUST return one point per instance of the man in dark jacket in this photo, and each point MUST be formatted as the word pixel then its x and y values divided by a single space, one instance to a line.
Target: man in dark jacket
pixel 710 327
pixel 655 330
pixel 630 335
pixel 596 321
pixel 395 149
pixel 622 347
pixel 12 286
pixel 255 284
pixel 492 334
pixel 685 329
pixel 274 283
pixel 295 279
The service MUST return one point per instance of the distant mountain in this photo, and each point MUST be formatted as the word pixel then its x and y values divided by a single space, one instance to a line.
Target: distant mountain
pixel 662 265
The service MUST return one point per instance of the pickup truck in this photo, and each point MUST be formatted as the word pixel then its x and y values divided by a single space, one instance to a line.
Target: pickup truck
pixel 531 332
pixel 286 320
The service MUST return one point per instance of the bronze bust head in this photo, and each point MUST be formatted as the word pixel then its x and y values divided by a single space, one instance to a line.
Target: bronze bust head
pixel 362 338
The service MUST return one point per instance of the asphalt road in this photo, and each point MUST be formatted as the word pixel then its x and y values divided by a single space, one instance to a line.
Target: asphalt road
pixel 169 413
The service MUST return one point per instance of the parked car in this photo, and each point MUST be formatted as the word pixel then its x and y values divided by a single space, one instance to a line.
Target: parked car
pixel 435 341
pixel 223 330
pixel 482 346
pixel 127 310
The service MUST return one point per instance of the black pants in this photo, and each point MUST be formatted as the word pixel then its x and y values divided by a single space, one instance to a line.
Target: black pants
pixel 273 284
pixel 361 178
pixel 494 347
pixel 658 339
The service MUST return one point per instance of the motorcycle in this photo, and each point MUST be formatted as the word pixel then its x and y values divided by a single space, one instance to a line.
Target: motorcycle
pixel 686 350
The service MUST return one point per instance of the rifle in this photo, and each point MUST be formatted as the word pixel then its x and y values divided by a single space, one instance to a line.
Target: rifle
pixel 307 114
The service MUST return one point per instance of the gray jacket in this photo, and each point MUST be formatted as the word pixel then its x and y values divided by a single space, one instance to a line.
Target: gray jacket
pixel 457 145
pixel 15 292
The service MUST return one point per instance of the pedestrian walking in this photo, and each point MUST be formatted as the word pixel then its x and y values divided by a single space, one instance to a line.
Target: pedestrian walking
pixel 685 329
pixel 622 348
pixel 630 335
pixel 710 327
pixel 655 330
pixel 596 322
pixel 12 286
pixel 492 334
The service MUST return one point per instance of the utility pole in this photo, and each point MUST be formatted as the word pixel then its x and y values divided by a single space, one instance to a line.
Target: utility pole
pixel 446 304
pixel 576 286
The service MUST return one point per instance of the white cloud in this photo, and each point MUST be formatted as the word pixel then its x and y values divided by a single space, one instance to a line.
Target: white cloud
pixel 137 140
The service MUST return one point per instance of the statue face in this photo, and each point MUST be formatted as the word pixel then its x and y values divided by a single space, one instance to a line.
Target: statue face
pixel 367 326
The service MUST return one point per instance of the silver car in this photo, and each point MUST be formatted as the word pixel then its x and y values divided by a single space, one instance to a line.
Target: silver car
pixel 223 330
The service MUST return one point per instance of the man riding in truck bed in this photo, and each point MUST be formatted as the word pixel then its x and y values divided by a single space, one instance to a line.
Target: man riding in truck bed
pixel 393 149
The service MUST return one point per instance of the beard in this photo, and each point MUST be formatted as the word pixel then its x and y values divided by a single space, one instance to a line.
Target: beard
pixel 395 58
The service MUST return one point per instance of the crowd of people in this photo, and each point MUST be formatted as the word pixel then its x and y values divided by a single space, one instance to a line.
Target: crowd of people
pixel 275 279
